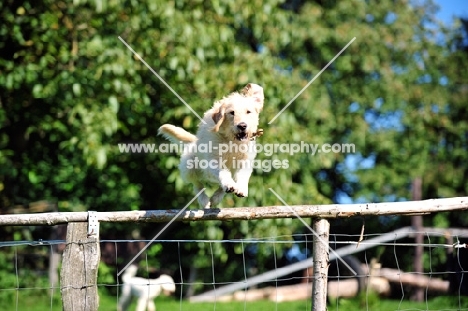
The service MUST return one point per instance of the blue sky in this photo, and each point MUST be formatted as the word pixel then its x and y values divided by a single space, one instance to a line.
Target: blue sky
pixel 450 8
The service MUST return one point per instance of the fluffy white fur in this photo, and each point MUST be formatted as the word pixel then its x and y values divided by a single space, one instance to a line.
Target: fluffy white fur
pixel 231 120
pixel 145 290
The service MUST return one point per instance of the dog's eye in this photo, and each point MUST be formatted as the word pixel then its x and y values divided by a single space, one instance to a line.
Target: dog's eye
pixel 248 111
pixel 232 113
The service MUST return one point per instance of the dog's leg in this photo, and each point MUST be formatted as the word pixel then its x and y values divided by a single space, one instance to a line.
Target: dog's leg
pixel 125 299
pixel 242 177
pixel 227 184
pixel 151 306
pixel 225 179
pixel 244 171
pixel 142 303
pixel 203 198
pixel 217 197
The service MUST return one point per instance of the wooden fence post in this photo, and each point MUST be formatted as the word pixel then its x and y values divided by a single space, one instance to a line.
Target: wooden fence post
pixel 78 276
pixel 320 257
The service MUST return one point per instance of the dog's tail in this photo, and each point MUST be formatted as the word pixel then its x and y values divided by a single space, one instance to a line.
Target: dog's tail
pixel 129 273
pixel 176 134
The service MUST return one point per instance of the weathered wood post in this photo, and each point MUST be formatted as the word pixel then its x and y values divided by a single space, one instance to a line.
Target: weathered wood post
pixel 80 261
pixel 418 225
pixel 320 257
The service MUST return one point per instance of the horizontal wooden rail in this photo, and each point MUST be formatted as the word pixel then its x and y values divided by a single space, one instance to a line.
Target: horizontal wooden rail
pixel 246 213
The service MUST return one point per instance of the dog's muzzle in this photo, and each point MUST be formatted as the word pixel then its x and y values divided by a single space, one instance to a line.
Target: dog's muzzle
pixel 242 134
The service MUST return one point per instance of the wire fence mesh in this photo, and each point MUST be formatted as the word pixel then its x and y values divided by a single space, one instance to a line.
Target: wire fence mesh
pixel 254 271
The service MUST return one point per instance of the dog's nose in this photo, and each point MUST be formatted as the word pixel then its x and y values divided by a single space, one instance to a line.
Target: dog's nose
pixel 242 126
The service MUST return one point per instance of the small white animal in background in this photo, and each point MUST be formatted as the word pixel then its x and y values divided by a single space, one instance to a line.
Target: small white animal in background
pixel 232 124
pixel 145 290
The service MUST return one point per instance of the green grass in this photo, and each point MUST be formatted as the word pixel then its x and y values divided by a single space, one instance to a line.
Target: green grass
pixel 373 303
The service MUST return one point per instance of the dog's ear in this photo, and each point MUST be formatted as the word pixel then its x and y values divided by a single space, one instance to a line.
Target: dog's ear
pixel 218 117
pixel 255 91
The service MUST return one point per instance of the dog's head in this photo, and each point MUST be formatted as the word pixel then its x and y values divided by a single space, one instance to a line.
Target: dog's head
pixel 237 114
pixel 167 284
pixel 129 273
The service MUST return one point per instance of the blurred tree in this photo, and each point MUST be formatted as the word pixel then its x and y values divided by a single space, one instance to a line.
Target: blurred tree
pixel 425 135
pixel 70 91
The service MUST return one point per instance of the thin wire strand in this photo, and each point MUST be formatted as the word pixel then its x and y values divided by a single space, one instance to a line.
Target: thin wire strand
pixel 399 274
pixel 147 277
pixel 181 277
pixel 461 278
pixel 430 274
pixel 51 256
pixel 117 277
pixel 213 272
pixel 17 278
pixel 338 271
pixel 368 280
pixel 276 278
pixel 245 276
pixel 276 240
pixel 308 279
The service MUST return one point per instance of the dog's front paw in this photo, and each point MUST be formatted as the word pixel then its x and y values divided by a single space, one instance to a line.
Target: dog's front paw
pixel 230 187
pixel 242 193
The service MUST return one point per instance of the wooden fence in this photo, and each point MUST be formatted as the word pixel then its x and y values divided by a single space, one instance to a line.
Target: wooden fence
pixel 82 254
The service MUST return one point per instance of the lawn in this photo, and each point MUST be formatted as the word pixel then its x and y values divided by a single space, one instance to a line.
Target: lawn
pixel 440 303
pixel 107 303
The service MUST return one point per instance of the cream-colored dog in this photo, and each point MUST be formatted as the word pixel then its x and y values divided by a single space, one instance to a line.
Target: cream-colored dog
pixel 145 290
pixel 223 150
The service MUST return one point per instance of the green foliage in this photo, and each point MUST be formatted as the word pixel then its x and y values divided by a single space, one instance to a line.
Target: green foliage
pixel 71 91
pixel 105 274
pixel 8 277
pixel 14 277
